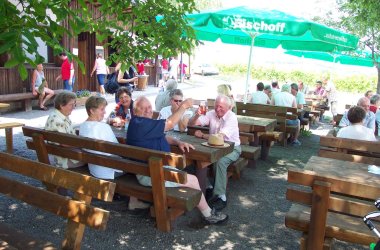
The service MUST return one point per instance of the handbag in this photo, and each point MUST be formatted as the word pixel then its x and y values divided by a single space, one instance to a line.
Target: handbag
pixel 111 86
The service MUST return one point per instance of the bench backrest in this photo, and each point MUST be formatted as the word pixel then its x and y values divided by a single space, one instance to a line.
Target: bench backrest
pixel 79 212
pixel 127 158
pixel 350 150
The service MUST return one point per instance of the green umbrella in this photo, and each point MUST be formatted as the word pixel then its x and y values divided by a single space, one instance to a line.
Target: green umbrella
pixel 359 59
pixel 269 29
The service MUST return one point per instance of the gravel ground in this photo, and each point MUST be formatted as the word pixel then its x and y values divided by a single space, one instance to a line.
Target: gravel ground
pixel 256 206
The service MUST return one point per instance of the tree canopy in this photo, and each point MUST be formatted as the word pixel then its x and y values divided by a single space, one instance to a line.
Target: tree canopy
pixel 131 24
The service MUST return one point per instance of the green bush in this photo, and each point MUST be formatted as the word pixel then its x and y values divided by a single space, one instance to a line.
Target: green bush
pixel 355 83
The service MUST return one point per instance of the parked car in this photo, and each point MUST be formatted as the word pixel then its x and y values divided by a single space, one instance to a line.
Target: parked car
pixel 206 69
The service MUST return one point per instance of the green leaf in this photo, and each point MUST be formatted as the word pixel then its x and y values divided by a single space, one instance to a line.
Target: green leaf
pixel 11 63
pixel 23 72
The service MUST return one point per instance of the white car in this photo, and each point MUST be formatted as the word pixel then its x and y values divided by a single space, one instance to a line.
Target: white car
pixel 206 69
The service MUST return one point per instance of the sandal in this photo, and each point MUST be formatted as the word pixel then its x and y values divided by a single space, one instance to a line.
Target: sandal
pixel 44 108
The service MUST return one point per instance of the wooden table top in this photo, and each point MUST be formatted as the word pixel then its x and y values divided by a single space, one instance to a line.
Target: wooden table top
pixel 4 105
pixel 344 170
pixel 255 124
pixel 200 153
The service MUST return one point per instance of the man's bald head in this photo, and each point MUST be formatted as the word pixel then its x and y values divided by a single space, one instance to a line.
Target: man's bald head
pixel 142 107
pixel 364 103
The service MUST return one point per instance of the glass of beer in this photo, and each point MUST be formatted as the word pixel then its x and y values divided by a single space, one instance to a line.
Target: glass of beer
pixel 203 107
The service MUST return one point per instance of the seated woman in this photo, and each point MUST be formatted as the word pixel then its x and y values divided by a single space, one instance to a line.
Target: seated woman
pixel 125 105
pixel 176 98
pixel 148 133
pixel 59 121
pixel 40 87
pixel 94 128
pixel 356 130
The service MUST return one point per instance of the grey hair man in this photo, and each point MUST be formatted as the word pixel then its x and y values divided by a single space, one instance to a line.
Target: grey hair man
pixel 369 120
pixel 163 98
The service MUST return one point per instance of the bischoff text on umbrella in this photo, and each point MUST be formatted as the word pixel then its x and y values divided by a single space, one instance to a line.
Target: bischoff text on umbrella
pixel 237 22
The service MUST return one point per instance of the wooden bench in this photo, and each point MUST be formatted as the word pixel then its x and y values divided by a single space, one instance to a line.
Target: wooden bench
pixel 271 112
pixel 328 208
pixel 350 150
pixel 248 157
pixel 78 210
pixel 168 203
pixel 25 98
pixel 8 126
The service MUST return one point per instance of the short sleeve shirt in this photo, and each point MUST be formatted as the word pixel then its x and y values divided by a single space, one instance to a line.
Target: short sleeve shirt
pixel 259 97
pixel 60 123
pixel 147 133
pixel 166 112
pixel 300 98
pixel 357 132
pixel 227 125
pixel 65 69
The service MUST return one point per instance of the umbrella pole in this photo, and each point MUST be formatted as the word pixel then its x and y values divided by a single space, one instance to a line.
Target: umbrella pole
pixel 249 67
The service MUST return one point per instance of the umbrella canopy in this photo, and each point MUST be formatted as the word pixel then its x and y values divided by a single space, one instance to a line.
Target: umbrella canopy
pixel 268 29
pixel 361 60
pixel 273 28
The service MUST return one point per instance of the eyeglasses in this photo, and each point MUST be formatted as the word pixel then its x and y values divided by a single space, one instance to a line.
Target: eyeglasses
pixel 73 105
pixel 177 101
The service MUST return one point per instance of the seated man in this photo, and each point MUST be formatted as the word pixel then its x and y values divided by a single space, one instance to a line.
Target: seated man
pixel 284 98
pixel 145 132
pixel 163 99
pixel 259 97
pixel 356 130
pixel 300 97
pixel 176 98
pixel 369 120
pixel 223 121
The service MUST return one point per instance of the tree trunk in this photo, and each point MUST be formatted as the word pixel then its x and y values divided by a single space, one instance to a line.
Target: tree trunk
pixel 378 79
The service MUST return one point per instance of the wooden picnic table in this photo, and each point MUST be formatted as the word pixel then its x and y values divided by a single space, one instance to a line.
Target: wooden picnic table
pixel 344 170
pixel 4 105
pixel 202 156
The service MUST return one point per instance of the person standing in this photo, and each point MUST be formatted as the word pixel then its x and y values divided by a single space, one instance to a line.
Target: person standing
pixel 173 71
pixel 331 95
pixel 101 72
pixel 40 87
pixel 165 69
pixel 67 72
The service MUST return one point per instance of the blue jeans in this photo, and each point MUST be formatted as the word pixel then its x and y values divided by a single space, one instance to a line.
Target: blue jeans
pixel 67 86
pixel 101 79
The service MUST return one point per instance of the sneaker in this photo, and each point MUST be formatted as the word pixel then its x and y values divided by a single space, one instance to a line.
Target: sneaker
pixel 296 143
pixel 217 203
pixel 215 218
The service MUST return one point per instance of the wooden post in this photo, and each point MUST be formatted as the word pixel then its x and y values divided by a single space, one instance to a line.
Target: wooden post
pixel 318 215
pixel 156 170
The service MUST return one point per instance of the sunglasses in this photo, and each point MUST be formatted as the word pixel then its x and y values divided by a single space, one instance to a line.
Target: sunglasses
pixel 177 101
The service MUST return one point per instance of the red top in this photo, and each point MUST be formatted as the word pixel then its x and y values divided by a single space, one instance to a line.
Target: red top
pixel 373 108
pixel 165 64
pixel 65 69
pixel 140 68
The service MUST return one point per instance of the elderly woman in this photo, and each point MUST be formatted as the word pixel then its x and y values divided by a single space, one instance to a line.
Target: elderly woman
pixel 176 98
pixel 59 121
pixel 356 129
pixel 123 108
pixel 94 128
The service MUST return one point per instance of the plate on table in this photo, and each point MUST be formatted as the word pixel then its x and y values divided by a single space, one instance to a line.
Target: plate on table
pixel 225 145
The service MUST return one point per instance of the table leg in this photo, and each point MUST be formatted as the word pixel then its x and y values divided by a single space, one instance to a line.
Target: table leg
pixel 255 139
pixel 9 140
pixel 265 146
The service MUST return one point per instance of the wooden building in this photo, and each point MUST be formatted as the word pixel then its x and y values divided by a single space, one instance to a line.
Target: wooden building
pixel 85 43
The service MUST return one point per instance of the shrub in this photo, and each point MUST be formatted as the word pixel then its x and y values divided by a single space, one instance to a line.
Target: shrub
pixel 83 93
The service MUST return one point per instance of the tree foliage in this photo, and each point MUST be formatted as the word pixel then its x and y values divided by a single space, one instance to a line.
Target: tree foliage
pixel 361 17
pixel 131 24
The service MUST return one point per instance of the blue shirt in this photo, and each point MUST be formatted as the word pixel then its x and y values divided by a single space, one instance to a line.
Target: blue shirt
pixel 147 133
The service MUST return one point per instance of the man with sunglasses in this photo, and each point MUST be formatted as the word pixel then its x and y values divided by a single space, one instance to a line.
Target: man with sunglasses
pixel 176 98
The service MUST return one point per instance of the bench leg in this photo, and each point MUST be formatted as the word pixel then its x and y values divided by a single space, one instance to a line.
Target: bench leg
pixel 201 174
pixel 28 105
pixel 265 146
pixel 327 245
pixel 9 140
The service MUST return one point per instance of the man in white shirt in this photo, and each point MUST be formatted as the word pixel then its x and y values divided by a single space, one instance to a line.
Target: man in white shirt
pixel 275 88
pixel 369 119
pixel 356 130
pixel 300 97
pixel 173 71
pixel 259 97
pixel 176 98
pixel 284 98
pixel 330 93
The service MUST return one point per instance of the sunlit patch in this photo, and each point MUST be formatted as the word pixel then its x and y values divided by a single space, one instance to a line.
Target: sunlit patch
pixel 13 206
pixel 182 247
pixel 40 217
pixel 125 239
pixel 247 202
pixel 57 231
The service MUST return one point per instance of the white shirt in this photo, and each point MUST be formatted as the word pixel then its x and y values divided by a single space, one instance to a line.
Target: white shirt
pixel 357 132
pixel 283 99
pixel 369 121
pixel 331 90
pixel 166 112
pixel 101 131
pixel 259 97
pixel 101 67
